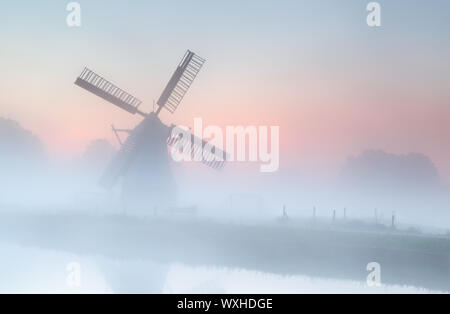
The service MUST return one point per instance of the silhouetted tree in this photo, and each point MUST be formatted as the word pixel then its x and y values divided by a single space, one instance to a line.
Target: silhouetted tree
pixel 20 150
pixel 376 168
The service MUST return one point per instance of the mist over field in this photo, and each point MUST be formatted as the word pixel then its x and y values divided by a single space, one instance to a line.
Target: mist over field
pixel 372 182
pixel 54 213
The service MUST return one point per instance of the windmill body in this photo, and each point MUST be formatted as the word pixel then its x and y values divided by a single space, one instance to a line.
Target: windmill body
pixel 148 181
pixel 143 162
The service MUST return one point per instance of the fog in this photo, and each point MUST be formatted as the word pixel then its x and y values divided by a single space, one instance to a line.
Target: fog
pixel 234 230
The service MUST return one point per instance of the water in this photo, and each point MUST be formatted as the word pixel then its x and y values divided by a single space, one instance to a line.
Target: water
pixel 33 270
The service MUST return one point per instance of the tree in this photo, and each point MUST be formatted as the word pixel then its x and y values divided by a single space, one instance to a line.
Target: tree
pixel 20 150
pixel 376 168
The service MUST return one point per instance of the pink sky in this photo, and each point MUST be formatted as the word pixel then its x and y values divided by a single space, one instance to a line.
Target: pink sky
pixel 335 88
pixel 320 126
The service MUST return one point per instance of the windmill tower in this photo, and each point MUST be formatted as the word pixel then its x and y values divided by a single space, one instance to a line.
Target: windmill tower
pixel 143 161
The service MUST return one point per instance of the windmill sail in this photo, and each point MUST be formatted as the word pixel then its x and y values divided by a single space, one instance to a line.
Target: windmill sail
pixel 180 82
pixel 208 154
pixel 121 161
pixel 99 86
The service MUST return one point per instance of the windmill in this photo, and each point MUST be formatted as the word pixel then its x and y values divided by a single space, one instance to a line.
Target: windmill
pixel 142 161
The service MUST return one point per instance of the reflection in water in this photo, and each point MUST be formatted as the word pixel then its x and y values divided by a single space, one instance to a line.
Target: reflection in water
pixel 182 279
pixel 29 270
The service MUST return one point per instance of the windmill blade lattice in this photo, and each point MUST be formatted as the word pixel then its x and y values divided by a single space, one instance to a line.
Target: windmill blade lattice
pixel 180 82
pixel 101 87
pixel 210 155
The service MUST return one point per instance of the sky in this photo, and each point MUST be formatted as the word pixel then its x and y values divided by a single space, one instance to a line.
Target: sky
pixel 334 85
